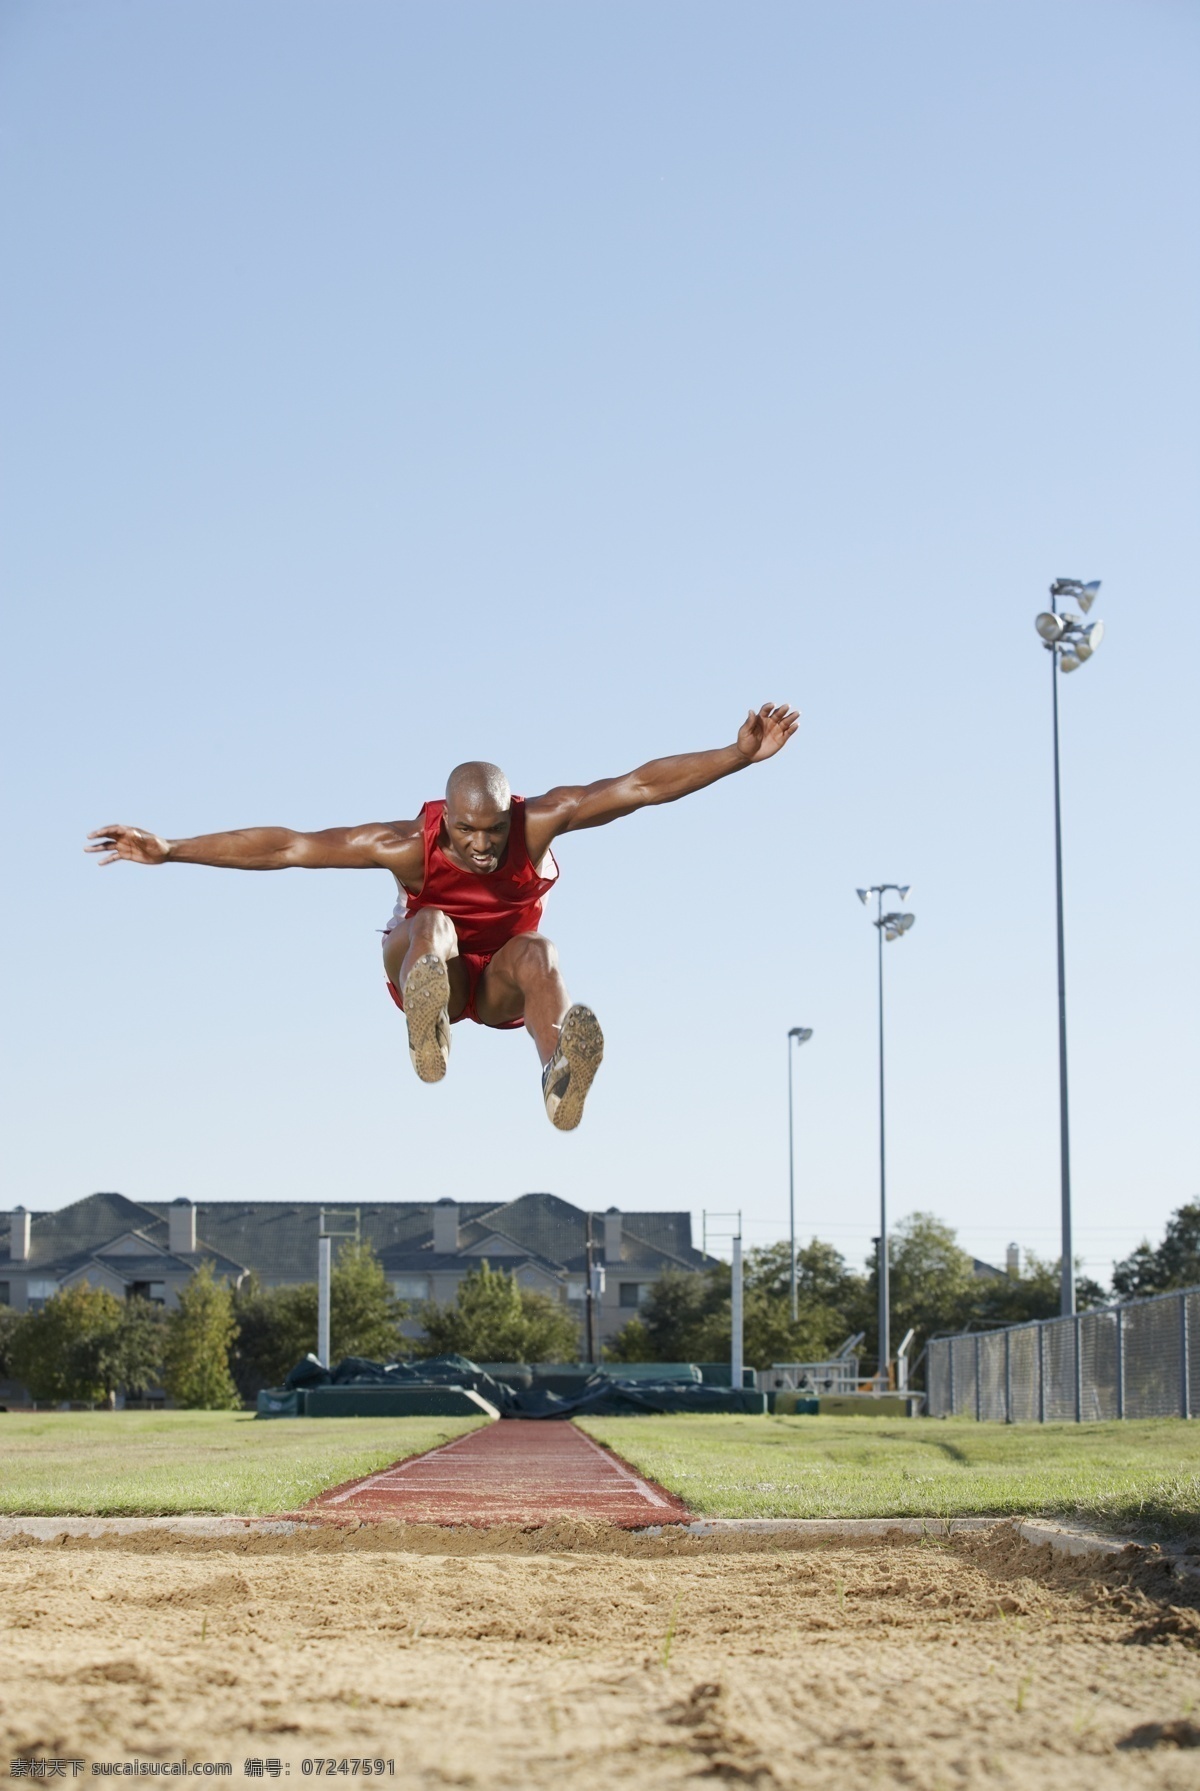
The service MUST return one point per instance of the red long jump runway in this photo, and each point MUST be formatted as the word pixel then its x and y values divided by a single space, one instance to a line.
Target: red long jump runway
pixel 518 1471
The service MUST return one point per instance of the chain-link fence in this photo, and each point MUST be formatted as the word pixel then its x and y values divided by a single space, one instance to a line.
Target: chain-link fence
pixel 1140 1359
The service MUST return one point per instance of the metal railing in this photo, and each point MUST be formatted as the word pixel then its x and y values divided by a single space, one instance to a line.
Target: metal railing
pixel 839 1375
pixel 1137 1359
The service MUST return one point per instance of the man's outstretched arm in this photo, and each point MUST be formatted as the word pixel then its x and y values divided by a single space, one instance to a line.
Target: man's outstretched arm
pixel 763 733
pixel 374 844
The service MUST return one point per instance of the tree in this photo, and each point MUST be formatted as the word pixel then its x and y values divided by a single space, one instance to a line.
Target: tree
pixel 687 1315
pixel 495 1319
pixel 821 1273
pixel 932 1282
pixel 9 1320
pixel 200 1333
pixel 631 1343
pixel 364 1314
pixel 278 1326
pixel 682 1320
pixel 65 1351
pixel 1174 1263
pixel 127 1353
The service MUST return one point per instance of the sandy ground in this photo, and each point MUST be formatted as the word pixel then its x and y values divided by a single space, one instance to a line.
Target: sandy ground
pixel 578 1657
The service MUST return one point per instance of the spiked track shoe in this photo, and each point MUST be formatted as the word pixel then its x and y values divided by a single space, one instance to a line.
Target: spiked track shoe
pixel 571 1071
pixel 426 1008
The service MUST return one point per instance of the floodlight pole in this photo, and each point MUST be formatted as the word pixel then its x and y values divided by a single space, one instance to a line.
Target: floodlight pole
pixel 799 1035
pixel 793 1294
pixel 1067 1270
pixel 884 1304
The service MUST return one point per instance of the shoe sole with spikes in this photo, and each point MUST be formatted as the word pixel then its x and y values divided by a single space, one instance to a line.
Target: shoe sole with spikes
pixel 426 1008
pixel 570 1073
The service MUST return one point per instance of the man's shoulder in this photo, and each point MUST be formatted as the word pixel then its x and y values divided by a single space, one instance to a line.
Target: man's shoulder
pixel 393 839
pixel 551 804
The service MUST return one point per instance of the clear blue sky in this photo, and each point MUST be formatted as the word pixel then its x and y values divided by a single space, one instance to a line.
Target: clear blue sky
pixel 388 385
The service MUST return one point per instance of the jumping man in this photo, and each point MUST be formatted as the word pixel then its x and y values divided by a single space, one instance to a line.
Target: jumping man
pixel 472 873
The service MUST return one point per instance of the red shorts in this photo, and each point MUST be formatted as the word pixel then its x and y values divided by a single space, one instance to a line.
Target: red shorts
pixel 476 963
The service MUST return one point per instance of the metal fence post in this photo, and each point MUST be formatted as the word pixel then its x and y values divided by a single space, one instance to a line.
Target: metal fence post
pixel 950 1377
pixel 978 1379
pixel 1008 1417
pixel 1078 1326
pixel 1120 1361
pixel 1185 1367
pixel 1041 1373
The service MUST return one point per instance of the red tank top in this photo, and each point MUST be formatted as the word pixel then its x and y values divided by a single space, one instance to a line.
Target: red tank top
pixel 486 909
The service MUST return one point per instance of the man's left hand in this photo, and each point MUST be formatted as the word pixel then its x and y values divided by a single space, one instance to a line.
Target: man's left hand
pixel 766 731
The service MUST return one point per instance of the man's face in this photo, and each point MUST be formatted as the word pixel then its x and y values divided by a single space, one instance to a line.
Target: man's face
pixel 476 833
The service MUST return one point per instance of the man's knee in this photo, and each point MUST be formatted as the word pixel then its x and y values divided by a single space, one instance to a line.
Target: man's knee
pixel 428 930
pixel 434 927
pixel 531 956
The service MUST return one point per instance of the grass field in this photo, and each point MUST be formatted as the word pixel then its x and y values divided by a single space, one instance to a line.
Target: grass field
pixel 126 1464
pixel 1141 1476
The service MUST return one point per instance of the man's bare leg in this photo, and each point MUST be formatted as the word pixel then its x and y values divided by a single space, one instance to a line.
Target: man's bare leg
pixel 421 958
pixel 523 981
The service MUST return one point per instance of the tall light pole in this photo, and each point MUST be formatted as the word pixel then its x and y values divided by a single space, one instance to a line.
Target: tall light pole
pixel 1070 642
pixel 889 926
pixel 801 1036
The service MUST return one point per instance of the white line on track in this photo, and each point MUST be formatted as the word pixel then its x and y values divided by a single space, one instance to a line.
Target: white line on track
pixel 644 1491
pixel 385 1473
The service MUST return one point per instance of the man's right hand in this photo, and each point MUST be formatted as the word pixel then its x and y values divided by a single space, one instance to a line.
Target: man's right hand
pixel 133 843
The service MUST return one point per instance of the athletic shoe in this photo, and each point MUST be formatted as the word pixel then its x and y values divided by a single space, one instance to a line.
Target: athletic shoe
pixel 571 1071
pixel 426 1008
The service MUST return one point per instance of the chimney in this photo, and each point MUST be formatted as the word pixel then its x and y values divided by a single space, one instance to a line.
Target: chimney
pixel 1012 1260
pixel 613 1247
pixel 18 1237
pixel 445 1227
pixel 181 1227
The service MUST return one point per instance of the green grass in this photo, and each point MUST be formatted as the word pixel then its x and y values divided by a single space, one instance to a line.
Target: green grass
pixel 1142 1477
pixel 133 1464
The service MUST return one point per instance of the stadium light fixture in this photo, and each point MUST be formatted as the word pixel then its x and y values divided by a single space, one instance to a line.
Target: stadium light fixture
pixel 889 926
pixel 1070 642
pixel 799 1035
pixel 1090 639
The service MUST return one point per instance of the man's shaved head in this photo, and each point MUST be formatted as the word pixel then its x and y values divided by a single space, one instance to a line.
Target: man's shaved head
pixel 478 785
pixel 477 817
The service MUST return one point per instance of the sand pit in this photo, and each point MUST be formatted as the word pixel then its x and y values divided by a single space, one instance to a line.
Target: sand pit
pixel 576 1656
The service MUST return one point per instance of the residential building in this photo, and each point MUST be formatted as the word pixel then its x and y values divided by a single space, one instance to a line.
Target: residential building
pixel 152 1247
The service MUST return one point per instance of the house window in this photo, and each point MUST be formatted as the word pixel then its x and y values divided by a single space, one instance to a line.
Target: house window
pixel 576 1290
pixel 634 1293
pixel 154 1291
pixel 411 1287
pixel 38 1292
